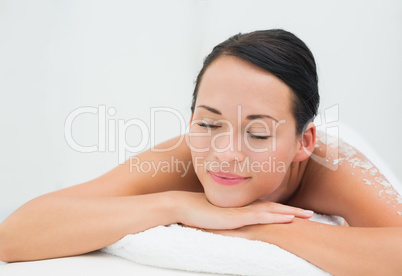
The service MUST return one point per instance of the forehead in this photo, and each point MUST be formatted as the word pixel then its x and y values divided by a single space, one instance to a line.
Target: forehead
pixel 230 81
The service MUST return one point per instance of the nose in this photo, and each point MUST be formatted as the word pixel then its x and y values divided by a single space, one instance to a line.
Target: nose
pixel 227 148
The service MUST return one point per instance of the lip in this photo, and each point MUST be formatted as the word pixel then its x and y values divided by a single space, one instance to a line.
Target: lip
pixel 227 179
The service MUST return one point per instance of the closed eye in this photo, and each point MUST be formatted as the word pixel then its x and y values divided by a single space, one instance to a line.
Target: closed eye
pixel 208 126
pixel 261 137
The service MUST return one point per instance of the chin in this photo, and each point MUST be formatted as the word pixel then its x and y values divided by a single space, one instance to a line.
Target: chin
pixel 227 201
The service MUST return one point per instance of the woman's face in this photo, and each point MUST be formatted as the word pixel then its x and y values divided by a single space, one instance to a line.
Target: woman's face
pixel 242 135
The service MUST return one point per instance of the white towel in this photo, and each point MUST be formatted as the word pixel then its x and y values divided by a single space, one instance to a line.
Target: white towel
pixel 184 248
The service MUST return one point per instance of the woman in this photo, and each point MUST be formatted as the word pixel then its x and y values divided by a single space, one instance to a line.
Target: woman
pixel 252 144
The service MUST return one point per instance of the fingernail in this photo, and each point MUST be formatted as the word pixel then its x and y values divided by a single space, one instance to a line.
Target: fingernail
pixel 309 212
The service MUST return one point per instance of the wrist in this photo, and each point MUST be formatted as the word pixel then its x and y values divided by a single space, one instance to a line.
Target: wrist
pixel 172 206
pixel 152 210
pixel 181 206
pixel 279 233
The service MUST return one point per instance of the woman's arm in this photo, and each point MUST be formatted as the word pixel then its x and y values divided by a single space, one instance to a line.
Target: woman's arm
pixel 55 226
pixel 335 249
pixel 95 214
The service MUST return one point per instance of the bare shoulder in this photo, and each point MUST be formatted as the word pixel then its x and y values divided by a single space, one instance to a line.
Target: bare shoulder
pixel 340 180
pixel 166 167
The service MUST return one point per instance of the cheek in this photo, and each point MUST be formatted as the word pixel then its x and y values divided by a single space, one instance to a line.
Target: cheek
pixel 274 163
pixel 269 166
pixel 285 146
pixel 199 144
pixel 199 140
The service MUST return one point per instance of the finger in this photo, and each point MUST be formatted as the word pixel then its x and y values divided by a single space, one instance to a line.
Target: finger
pixel 268 218
pixel 283 209
pixel 298 212
pixel 259 217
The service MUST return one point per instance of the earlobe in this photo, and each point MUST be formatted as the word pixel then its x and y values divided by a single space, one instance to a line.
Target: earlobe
pixel 306 143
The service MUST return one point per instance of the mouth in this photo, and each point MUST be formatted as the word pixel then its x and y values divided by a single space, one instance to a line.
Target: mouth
pixel 227 179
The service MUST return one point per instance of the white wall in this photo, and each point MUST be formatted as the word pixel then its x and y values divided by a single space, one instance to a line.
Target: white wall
pixel 57 56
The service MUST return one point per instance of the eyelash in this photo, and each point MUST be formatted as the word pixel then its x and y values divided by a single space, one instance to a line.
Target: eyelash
pixel 257 137
pixel 208 126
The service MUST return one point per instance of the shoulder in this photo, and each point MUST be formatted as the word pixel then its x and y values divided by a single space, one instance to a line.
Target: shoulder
pixel 166 167
pixel 340 180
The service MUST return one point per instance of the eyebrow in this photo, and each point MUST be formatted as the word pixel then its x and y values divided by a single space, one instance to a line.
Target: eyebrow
pixel 249 117
pixel 260 116
pixel 213 110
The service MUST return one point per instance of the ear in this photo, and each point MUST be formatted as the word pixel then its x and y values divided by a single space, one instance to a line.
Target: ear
pixel 306 143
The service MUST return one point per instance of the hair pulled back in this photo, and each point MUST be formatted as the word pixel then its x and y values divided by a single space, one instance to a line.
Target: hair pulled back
pixel 284 55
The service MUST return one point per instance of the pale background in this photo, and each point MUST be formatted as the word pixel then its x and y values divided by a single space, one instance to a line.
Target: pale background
pixel 57 56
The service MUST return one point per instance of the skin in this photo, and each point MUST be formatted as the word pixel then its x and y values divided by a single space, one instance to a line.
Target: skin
pixel 267 206
pixel 244 82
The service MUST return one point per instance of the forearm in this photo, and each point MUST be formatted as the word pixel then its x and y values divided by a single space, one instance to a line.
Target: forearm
pixel 339 250
pixel 55 226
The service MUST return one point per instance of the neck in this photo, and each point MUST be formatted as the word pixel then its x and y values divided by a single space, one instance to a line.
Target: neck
pixel 289 185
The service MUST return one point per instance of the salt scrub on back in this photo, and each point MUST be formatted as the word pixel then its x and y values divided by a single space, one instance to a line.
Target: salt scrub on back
pixel 340 153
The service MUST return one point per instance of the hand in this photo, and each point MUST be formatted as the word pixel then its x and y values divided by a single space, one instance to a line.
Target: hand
pixel 194 210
